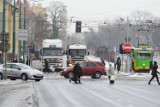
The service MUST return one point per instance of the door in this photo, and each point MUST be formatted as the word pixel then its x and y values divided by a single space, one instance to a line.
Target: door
pixel 15 72
pixel 89 68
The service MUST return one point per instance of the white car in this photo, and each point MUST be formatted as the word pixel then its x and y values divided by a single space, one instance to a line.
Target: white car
pixel 21 71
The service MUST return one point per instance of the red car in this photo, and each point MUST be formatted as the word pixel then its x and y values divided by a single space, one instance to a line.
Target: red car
pixel 89 68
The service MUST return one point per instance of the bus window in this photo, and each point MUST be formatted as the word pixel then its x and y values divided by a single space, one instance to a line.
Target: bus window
pixel 144 56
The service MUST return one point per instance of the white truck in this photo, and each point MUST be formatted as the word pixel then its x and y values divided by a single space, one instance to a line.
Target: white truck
pixel 76 52
pixel 52 50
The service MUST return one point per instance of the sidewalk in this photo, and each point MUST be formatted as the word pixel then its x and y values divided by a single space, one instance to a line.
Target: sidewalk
pixel 17 94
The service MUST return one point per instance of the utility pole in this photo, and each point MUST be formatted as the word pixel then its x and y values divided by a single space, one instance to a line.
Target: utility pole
pixel 127 40
pixel 4 25
pixel 20 26
pixel 24 42
pixel 14 27
pixel 3 31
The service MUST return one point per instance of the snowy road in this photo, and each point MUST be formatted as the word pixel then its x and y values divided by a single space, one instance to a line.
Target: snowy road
pixel 58 92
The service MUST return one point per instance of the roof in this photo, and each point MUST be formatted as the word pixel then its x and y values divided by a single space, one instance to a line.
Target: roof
pixel 77 46
pixel 52 42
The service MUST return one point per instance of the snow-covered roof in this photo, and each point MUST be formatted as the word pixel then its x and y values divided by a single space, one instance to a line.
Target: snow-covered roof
pixel 77 46
pixel 52 43
pixel 144 49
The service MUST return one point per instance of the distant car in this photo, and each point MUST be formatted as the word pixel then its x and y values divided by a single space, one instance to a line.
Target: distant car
pixel 89 68
pixel 20 71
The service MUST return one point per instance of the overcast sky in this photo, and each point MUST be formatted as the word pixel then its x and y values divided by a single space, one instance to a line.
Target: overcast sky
pixel 102 9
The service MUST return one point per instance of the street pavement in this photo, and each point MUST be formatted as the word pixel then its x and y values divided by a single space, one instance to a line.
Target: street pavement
pixel 22 94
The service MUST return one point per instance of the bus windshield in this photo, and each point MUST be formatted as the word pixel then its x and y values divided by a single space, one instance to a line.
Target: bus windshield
pixel 77 52
pixel 144 56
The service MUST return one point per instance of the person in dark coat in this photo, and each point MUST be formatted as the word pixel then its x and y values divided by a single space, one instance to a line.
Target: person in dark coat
pixel 28 61
pixel 77 73
pixel 46 65
pixel 154 73
pixel 103 62
pixel 118 64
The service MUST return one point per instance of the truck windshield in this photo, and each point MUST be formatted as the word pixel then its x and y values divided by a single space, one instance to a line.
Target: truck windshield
pixel 52 51
pixel 77 52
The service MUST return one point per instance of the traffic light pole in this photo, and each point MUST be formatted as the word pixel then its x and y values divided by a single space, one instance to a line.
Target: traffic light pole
pixel 4 25
pixel 14 26
pixel 19 42
pixel 24 42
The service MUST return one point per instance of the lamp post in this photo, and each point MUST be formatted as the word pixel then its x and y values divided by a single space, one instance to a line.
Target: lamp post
pixel 4 24
pixel 14 26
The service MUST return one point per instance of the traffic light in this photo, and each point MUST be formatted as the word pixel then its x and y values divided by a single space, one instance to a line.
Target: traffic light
pixel 78 26
pixel 121 51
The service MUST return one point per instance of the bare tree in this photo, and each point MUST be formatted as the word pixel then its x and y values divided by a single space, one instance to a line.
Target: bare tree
pixel 58 17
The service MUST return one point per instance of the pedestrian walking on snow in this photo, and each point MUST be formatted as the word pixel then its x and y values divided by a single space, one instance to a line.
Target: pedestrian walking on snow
pixel 118 64
pixel 77 73
pixel 111 74
pixel 154 73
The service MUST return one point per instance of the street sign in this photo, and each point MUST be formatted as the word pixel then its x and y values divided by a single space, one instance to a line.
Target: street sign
pixel 4 46
pixel 127 47
pixel 21 34
pixel 4 36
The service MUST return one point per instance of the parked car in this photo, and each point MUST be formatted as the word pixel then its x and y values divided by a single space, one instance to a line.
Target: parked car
pixel 21 71
pixel 89 68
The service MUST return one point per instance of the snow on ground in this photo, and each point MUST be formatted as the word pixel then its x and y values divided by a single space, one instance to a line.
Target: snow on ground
pixel 17 94
pixel 97 92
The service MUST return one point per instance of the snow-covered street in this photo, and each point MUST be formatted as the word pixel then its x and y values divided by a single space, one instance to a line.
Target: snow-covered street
pixel 126 92
pixel 54 90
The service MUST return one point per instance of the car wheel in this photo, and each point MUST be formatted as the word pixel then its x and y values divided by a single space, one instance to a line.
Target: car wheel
pixel 97 75
pixel 37 80
pixel 1 76
pixel 70 75
pixel 24 77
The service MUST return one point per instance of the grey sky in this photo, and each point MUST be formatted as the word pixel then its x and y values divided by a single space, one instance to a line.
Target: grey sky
pixel 101 9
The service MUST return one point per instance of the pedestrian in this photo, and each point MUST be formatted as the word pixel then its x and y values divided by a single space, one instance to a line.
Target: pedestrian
pixel 46 65
pixel 21 61
pixel 103 62
pixel 154 73
pixel 77 73
pixel 111 74
pixel 28 61
pixel 15 61
pixel 118 64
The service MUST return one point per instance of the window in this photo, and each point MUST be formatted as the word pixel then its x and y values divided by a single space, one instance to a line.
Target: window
pixel 90 64
pixel 144 56
pixel 15 66
pixel 8 65
pixel 100 64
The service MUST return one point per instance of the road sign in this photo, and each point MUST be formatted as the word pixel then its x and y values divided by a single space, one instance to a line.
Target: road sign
pixel 127 47
pixel 21 34
pixel 4 36
pixel 4 46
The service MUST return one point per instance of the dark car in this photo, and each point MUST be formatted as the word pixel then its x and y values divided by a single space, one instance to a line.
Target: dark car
pixel 89 68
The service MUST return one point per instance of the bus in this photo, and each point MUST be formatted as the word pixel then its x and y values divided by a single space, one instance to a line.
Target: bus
pixel 142 59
